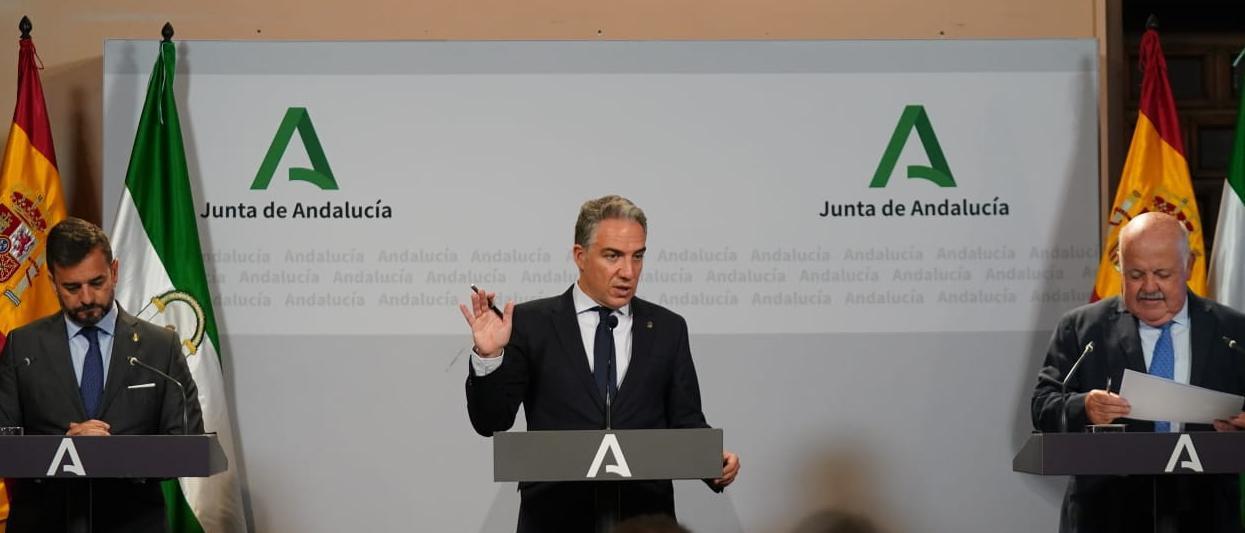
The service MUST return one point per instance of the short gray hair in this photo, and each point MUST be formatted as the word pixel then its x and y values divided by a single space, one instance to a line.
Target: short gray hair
pixel 605 208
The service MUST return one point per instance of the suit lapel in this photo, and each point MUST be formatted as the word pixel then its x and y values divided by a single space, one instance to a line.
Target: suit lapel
pixel 566 324
pixel 641 342
pixel 1127 340
pixel 123 346
pixel 1201 339
pixel 55 347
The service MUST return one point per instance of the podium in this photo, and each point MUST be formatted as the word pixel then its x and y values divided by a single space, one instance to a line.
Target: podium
pixel 1150 455
pixel 1061 454
pixel 607 455
pixel 638 453
pixel 118 456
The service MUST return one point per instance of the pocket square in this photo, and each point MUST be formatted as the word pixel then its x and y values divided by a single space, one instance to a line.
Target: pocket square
pixel 143 386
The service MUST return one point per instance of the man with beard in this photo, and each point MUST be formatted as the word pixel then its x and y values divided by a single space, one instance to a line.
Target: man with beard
pixel 68 374
pixel 561 357
pixel 1157 326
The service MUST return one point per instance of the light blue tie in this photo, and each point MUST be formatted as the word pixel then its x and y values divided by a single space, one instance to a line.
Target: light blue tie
pixel 1163 364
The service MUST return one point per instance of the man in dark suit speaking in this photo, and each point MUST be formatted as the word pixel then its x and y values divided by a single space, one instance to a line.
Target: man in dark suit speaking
pixel 560 357
pixel 69 374
pixel 1157 326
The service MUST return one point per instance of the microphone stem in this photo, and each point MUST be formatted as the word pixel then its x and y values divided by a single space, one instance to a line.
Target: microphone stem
pixel 1063 384
pixel 609 378
pixel 1063 408
pixel 609 408
pixel 185 417
pixel 185 421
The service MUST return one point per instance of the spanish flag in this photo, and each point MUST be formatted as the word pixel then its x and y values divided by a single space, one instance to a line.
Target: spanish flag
pixel 1156 174
pixel 31 202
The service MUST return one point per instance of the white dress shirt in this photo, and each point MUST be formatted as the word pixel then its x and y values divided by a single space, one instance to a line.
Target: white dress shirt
pixel 78 344
pixel 588 320
pixel 1181 343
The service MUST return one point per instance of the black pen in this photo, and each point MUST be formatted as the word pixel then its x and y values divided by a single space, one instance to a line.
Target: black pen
pixel 490 301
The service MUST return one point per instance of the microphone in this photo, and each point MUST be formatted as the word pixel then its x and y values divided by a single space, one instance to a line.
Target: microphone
pixel 612 322
pixel 1232 344
pixel 1063 396
pixel 135 361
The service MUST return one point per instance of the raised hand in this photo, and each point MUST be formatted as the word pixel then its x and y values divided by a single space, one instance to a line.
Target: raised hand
pixel 489 331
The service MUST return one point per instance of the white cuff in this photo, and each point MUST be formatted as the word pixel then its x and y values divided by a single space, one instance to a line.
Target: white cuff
pixel 483 367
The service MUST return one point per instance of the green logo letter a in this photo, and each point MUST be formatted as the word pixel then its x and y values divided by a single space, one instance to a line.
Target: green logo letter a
pixel 938 172
pixel 319 174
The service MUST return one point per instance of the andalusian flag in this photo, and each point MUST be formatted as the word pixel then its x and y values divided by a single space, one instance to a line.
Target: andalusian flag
pixel 30 204
pixel 162 280
pixel 1227 260
pixel 1156 175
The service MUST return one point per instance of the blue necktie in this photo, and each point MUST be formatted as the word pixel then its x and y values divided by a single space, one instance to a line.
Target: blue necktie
pixel 92 386
pixel 603 352
pixel 1163 364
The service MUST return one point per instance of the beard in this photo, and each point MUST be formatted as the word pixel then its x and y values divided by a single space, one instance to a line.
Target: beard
pixel 88 315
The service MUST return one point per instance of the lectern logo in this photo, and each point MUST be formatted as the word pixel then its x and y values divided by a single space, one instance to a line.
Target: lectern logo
pixel 1185 445
pixel 914 117
pixel 67 450
pixel 609 444
pixel 320 175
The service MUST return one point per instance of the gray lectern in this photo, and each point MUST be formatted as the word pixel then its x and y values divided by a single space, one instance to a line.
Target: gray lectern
pixel 118 456
pixel 1061 454
pixel 603 455
pixel 1145 454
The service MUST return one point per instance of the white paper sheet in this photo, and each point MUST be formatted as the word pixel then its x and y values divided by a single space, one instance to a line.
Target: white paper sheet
pixel 1155 398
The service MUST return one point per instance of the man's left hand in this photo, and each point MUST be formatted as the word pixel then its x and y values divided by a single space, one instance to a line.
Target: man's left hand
pixel 1235 423
pixel 90 428
pixel 730 468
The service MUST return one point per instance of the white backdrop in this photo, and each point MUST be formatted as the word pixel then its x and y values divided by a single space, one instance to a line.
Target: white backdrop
pixel 878 364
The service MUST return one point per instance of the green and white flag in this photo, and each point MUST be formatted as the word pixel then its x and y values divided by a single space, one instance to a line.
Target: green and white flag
pixel 162 280
pixel 1226 283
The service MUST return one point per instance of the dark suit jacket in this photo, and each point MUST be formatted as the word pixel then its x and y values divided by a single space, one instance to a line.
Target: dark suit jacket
pixel 545 368
pixel 42 396
pixel 1203 503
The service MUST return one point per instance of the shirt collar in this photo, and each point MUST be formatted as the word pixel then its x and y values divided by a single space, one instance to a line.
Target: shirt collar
pixel 583 302
pixel 106 324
